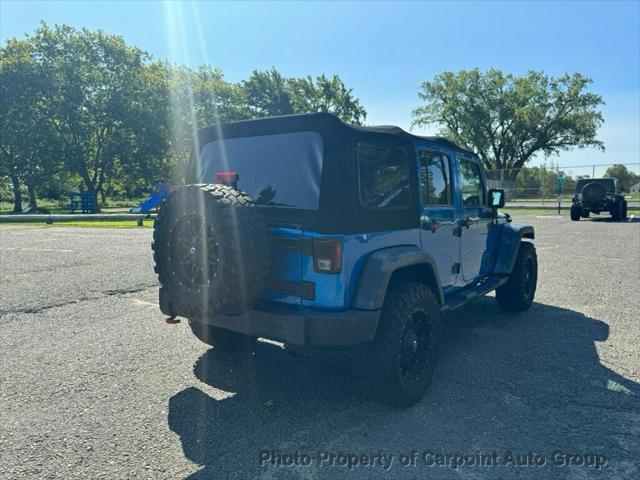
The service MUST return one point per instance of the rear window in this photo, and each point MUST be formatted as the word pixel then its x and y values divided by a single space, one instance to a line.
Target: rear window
pixel 384 176
pixel 281 170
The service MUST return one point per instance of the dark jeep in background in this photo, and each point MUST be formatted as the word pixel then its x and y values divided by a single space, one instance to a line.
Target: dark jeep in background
pixel 595 195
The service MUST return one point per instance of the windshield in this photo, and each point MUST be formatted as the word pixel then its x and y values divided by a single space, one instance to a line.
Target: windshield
pixel 280 170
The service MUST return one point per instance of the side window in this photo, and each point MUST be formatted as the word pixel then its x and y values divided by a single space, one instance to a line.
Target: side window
pixel 471 186
pixel 384 176
pixel 435 178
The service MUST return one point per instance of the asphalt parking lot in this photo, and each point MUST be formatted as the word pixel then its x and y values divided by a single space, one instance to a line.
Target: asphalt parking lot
pixel 94 384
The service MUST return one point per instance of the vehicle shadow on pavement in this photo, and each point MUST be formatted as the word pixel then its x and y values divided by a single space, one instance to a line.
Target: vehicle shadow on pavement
pixel 610 220
pixel 524 382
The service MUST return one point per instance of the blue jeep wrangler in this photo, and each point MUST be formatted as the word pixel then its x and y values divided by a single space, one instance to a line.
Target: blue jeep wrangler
pixel 312 232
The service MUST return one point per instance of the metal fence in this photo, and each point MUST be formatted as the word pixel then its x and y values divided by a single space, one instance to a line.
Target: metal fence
pixel 539 186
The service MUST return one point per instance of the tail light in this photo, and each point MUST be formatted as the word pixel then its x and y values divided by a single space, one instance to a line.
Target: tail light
pixel 228 178
pixel 327 255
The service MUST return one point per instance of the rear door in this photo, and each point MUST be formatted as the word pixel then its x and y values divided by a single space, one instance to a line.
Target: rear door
pixel 439 216
pixel 475 218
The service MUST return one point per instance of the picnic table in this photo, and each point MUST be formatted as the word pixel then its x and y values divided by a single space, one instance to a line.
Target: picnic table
pixel 86 202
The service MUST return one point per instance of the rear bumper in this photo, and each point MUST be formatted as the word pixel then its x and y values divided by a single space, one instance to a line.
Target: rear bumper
pixel 599 206
pixel 303 327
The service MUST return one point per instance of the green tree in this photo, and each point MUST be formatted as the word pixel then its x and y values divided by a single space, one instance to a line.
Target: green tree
pixel 270 93
pixel 27 146
pixel 537 182
pixel 507 120
pixel 104 107
pixel 199 97
pixel 327 95
pixel 626 178
pixel 145 158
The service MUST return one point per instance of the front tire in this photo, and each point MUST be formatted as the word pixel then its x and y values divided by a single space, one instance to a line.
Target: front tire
pixel 403 356
pixel 518 293
pixel 221 338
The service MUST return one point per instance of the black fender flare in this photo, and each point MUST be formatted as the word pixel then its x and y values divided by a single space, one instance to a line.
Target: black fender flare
pixel 380 265
pixel 509 245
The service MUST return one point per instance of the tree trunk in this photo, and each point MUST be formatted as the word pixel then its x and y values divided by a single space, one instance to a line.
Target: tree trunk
pixel 17 195
pixel 33 202
pixel 89 183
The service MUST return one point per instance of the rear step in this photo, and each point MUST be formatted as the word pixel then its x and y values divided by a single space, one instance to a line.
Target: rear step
pixel 483 287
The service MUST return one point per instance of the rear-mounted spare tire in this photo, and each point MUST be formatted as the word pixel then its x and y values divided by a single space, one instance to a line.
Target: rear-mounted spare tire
pixel 593 193
pixel 211 251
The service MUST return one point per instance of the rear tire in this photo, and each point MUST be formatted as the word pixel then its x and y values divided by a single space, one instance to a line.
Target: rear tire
pixel 221 338
pixel 619 211
pixel 616 210
pixel 402 358
pixel 576 211
pixel 518 293
pixel 593 194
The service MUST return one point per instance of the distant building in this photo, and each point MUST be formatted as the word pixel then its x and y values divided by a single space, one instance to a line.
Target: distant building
pixel 635 188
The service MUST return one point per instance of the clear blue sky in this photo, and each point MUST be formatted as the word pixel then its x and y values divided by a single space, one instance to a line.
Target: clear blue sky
pixel 385 50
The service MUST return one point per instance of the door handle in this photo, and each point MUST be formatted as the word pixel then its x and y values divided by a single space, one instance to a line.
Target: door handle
pixel 467 222
pixel 462 222
pixel 431 224
pixel 457 229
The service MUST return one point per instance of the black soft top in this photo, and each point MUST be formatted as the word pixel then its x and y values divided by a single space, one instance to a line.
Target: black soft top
pixel 609 184
pixel 339 206
pixel 312 121
pixel 393 130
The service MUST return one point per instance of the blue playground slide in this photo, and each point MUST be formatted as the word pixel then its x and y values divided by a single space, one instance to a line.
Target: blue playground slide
pixel 159 194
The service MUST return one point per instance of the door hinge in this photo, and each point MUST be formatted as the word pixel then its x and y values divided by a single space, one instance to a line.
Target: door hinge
pixel 455 268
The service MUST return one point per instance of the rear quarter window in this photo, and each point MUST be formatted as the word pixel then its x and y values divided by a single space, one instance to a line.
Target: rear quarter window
pixel 383 176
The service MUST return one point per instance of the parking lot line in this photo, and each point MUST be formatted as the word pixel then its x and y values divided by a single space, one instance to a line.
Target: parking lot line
pixel 38 249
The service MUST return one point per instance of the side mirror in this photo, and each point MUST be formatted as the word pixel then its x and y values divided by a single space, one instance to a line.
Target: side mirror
pixel 496 198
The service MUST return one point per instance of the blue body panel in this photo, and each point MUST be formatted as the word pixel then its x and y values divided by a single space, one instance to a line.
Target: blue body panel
pixel 333 291
pixel 337 290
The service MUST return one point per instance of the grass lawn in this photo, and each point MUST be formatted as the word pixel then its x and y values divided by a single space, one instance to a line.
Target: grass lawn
pixel 62 206
pixel 550 211
pixel 86 224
